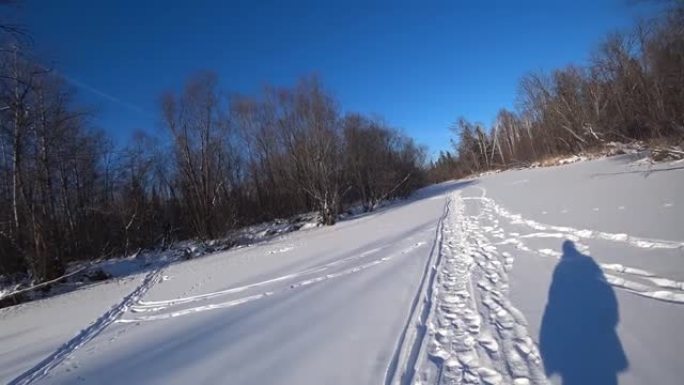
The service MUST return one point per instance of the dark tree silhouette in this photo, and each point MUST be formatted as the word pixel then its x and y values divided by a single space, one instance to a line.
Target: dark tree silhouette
pixel 631 89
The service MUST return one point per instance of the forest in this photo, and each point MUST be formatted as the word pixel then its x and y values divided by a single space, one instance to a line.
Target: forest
pixel 632 89
pixel 68 192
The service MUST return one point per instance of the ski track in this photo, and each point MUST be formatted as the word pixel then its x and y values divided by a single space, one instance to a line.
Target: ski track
pixel 475 335
pixel 653 291
pixel 656 287
pixel 42 369
pixel 284 249
pixel 517 219
pixel 401 368
pixel 143 306
pixel 168 304
pixel 133 303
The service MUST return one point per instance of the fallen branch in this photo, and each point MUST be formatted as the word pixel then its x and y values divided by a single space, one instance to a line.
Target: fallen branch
pixel 43 284
pixel 662 153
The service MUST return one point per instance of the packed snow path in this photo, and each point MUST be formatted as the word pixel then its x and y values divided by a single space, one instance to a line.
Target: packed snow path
pixel 466 283
pixel 475 335
pixel 319 306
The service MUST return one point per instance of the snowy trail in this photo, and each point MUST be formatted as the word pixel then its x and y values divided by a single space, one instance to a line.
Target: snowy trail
pixel 65 351
pixel 401 368
pixel 474 334
pixel 143 306
pixel 449 287
pixel 655 287
pixel 162 314
pixel 565 231
pixel 224 306
pixel 528 222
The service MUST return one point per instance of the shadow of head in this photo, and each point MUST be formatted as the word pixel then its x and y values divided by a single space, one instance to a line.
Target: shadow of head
pixel 578 340
pixel 569 249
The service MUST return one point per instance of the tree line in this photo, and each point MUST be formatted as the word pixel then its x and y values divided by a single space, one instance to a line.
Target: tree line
pixel 68 192
pixel 631 89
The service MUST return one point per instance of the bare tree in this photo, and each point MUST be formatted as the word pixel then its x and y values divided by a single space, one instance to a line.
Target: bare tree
pixel 310 132
pixel 202 150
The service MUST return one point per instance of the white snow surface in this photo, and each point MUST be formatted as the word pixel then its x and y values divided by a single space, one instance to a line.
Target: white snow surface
pixel 467 282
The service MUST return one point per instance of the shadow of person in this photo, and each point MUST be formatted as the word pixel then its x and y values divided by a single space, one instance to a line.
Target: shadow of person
pixel 578 340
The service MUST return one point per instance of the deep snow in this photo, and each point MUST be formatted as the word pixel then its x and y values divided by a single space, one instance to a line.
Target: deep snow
pixel 454 285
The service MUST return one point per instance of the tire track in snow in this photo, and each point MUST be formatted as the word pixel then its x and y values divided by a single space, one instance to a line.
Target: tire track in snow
pixel 144 306
pixel 402 366
pixel 41 369
pixel 656 289
pixel 609 269
pixel 239 301
pixel 646 243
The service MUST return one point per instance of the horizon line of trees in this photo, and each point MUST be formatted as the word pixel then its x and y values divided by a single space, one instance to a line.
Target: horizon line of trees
pixel 68 193
pixel 631 89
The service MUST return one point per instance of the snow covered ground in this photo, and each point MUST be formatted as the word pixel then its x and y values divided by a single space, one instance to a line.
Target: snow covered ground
pixel 80 274
pixel 574 270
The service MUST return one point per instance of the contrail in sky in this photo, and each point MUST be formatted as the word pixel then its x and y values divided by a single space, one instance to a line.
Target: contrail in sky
pixel 104 95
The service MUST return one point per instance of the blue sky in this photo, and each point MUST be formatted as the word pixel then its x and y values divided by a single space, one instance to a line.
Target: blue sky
pixel 418 64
